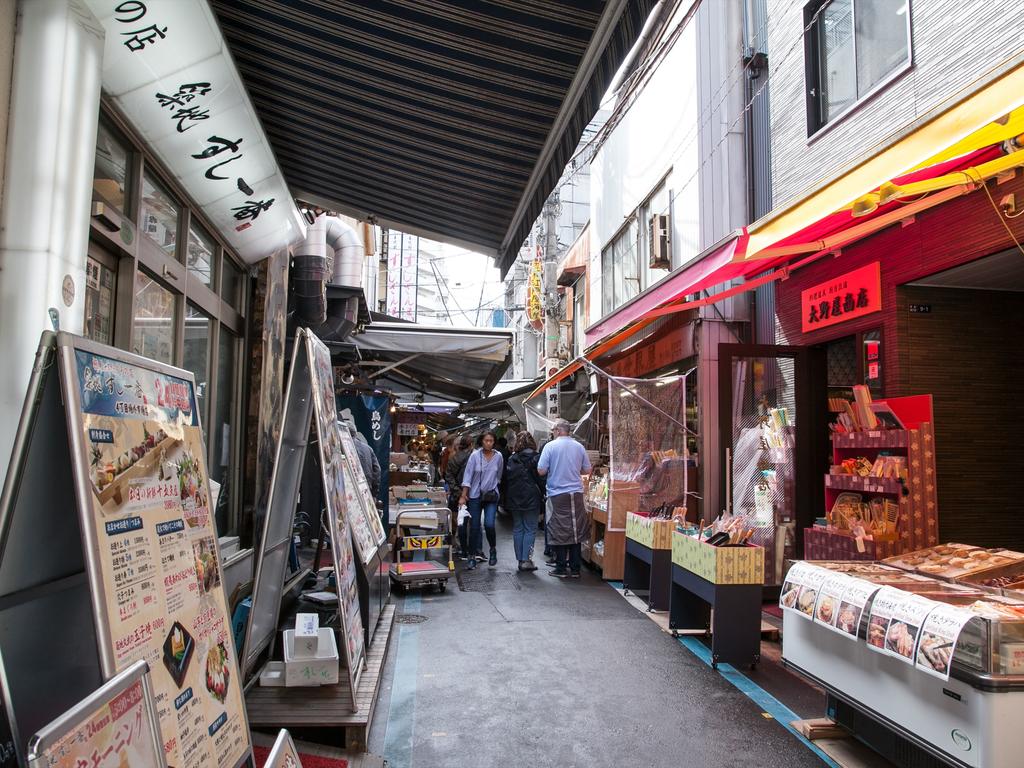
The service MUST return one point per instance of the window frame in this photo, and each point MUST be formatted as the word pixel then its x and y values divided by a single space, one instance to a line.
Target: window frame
pixel 133 251
pixel 812 68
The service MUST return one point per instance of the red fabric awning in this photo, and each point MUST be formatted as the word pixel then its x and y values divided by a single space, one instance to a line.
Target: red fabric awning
pixel 716 266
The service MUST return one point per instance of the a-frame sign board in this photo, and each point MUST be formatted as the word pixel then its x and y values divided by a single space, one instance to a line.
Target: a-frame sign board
pixel 309 396
pixel 108 553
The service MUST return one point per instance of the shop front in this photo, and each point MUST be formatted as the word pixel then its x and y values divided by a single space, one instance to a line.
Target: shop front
pixel 906 609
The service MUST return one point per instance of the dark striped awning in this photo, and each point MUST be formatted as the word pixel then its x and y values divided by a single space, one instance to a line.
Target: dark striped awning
pixel 452 119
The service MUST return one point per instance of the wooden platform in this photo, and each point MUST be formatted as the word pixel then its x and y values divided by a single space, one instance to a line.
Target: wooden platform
pixel 327 706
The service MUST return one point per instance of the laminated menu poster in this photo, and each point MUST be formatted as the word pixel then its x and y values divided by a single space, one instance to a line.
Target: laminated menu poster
pixel 113 728
pixel 896 619
pixel 358 493
pixel 851 606
pixel 939 635
pixel 826 610
pixel 154 563
pixel 800 590
pixel 283 754
pixel 338 513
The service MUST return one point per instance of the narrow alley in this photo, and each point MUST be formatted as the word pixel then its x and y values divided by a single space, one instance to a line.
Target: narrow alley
pixel 525 669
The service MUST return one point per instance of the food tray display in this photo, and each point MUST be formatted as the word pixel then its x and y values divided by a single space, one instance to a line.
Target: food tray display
pixel 652 533
pixel 719 565
pixel 934 625
pixel 953 561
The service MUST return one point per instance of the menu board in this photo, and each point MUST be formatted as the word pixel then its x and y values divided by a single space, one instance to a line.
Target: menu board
pixel 826 610
pixel 154 561
pixel 882 609
pixel 359 496
pixel 906 613
pixel 851 606
pixel 939 635
pixel 800 590
pixel 283 754
pixel 329 442
pixel 113 728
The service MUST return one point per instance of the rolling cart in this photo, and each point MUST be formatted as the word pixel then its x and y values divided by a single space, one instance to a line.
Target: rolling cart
pixel 422 554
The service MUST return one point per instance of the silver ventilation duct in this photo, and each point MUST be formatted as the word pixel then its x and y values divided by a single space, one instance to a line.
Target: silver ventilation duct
pixel 332 254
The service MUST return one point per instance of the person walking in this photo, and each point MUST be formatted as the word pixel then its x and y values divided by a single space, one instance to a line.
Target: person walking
pixel 367 458
pixel 524 497
pixel 480 494
pixel 453 472
pixel 563 462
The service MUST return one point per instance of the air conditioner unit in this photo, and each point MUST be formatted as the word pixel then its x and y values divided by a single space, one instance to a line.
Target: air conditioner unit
pixel 660 241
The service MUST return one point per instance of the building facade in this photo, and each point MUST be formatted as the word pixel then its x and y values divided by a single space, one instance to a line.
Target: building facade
pixel 854 84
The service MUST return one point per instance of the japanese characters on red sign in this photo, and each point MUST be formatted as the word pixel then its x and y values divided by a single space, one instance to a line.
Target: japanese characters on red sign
pixel 842 298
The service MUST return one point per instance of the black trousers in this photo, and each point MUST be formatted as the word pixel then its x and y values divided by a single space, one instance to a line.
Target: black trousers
pixel 570 552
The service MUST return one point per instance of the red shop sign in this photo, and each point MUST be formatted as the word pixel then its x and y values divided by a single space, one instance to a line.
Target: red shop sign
pixel 842 298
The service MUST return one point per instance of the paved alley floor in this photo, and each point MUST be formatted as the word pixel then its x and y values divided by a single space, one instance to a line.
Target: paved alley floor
pixel 530 670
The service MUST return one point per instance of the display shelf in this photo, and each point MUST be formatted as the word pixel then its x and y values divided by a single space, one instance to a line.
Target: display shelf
pixel 875 485
pixel 599 514
pixel 918 523
pixel 873 440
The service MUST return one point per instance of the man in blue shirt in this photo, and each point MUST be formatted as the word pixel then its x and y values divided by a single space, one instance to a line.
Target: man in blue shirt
pixel 563 462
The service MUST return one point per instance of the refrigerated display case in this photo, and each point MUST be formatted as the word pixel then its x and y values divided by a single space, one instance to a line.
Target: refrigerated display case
pixel 970 719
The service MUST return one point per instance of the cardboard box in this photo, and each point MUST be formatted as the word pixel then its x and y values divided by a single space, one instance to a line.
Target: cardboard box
pixel 653 534
pixel 320 670
pixel 719 565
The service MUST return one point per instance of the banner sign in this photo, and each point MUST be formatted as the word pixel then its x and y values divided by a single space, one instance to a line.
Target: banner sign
pixel 372 417
pixel 154 563
pixel 842 298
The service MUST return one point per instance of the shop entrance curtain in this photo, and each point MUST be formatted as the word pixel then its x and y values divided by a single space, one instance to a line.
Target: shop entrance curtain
pixel 649 445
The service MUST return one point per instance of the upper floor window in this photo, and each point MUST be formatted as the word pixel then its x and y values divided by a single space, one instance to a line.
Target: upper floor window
pixel 620 268
pixel 853 47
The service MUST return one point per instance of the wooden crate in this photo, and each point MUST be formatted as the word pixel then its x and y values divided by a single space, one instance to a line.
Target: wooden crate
pixel 719 565
pixel 653 534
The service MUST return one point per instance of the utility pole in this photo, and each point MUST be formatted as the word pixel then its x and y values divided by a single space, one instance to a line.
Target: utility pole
pixel 552 333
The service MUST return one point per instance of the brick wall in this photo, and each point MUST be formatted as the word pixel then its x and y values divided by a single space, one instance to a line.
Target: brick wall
pixel 968 353
pixel 954 43
pixel 956 232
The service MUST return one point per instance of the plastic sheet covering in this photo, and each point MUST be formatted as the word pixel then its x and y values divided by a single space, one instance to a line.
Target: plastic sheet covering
pixel 584 428
pixel 649 454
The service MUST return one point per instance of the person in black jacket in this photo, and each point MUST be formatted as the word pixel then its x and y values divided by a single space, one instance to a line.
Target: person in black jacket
pixel 453 472
pixel 524 497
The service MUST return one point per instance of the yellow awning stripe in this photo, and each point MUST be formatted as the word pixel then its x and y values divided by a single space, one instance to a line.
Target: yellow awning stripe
pixel 966 125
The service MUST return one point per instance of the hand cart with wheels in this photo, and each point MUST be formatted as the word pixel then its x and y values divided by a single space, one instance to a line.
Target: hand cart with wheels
pixel 422 552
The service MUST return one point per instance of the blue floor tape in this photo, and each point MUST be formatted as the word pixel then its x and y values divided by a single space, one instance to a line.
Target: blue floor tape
pixel 768 703
pixel 402 707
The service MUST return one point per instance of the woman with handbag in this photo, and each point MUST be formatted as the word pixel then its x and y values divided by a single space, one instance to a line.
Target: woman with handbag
pixel 480 495
pixel 524 497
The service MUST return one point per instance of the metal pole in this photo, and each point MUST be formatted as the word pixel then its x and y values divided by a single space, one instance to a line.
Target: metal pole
pixel 551 328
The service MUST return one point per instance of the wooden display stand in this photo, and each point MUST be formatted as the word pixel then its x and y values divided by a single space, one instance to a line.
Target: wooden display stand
pixel 718 590
pixel 648 559
pixel 608 524
pixel 918 524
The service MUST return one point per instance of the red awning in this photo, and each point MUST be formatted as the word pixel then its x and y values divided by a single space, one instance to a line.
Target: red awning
pixel 717 265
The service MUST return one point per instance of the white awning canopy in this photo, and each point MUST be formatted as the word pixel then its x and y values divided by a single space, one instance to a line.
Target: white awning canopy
pixel 460 364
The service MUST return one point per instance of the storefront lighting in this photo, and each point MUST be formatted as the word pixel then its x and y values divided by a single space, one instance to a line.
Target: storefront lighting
pixel 864 205
pixel 889 192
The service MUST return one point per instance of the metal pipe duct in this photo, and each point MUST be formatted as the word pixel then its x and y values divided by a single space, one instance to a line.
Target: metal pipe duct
pixel 310 272
pixel 332 253
pixel 349 254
